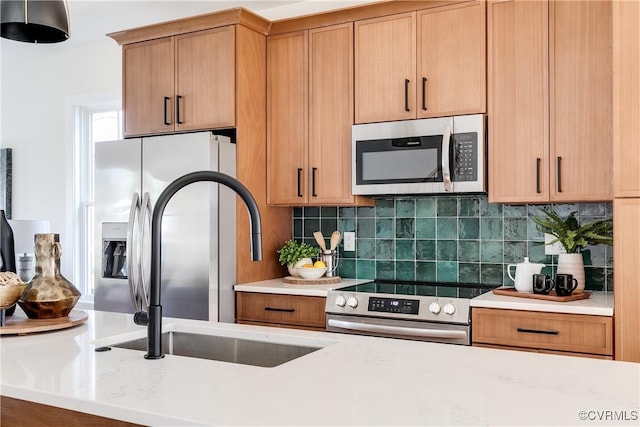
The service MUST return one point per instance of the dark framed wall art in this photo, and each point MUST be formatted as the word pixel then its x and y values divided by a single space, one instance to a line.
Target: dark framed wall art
pixel 5 181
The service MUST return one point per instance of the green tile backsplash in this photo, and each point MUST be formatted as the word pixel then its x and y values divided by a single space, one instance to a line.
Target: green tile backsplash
pixel 448 239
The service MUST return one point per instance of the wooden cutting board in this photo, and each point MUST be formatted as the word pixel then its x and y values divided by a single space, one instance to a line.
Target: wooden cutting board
pixel 321 281
pixel 512 292
pixel 20 324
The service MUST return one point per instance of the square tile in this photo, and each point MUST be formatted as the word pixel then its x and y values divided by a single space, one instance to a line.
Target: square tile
pixel 366 211
pixel 297 212
pixel 447 206
pixel 469 207
pixel 311 212
pixel 405 249
pixel 447 250
pixel 366 228
pixel 385 249
pixel 405 208
pixel 385 270
pixel 491 274
pixel 426 250
pixel 515 229
pixel 468 228
pixel 366 249
pixel 469 250
pixel 347 212
pixel 329 212
pixel 366 269
pixel 426 208
pixel 405 270
pixel 297 228
pixel 328 226
pixel 447 228
pixel 447 271
pixel 405 228
pixel 425 228
pixel 469 272
pixel 426 290
pixel 426 271
pixel 385 208
pixel 446 292
pixel 347 268
pixel 514 211
pixel 491 228
pixel 515 252
pixel 346 224
pixel 385 228
pixel 311 225
pixel 490 210
pixel 491 251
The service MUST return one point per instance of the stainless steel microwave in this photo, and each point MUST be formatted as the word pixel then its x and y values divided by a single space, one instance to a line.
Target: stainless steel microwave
pixel 426 156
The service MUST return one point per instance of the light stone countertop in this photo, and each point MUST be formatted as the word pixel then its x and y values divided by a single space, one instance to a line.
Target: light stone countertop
pixel 276 286
pixel 598 304
pixel 352 381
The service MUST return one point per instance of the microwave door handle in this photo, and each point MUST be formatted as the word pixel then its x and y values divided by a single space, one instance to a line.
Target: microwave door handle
pixel 446 173
pixel 143 249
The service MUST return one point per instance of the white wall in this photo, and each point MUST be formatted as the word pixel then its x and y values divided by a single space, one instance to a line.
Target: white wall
pixel 38 89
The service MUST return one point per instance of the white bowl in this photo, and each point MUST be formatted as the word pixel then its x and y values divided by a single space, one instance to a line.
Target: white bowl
pixel 311 273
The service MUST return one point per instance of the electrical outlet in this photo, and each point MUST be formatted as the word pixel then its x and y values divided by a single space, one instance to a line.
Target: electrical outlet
pixel 349 241
pixel 555 249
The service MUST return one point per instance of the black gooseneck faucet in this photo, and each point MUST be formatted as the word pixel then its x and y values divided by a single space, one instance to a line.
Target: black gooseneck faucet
pixel 153 319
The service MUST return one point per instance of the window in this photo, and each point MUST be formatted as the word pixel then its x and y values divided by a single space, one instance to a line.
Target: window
pixel 100 122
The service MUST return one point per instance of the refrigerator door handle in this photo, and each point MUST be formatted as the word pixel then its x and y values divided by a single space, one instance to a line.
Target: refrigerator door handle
pixel 144 246
pixel 132 248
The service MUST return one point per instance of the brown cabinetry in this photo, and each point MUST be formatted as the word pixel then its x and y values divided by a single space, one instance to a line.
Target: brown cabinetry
pixel 287 311
pixel 180 83
pixel 550 101
pixel 420 64
pixel 310 111
pixel 574 334
pixel 626 161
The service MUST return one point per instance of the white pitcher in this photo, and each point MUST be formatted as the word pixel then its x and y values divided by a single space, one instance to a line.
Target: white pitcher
pixel 524 274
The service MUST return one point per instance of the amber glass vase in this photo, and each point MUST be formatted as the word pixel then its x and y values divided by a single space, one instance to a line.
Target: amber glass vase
pixel 48 294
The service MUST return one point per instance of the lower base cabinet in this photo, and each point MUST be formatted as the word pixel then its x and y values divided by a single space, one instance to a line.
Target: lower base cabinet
pixel 285 311
pixel 16 412
pixel 554 333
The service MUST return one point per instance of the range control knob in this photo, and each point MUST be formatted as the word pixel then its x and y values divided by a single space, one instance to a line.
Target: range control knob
pixel 434 307
pixel 352 302
pixel 449 308
pixel 340 301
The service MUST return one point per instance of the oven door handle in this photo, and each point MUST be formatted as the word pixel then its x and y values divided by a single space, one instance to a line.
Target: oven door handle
pixel 446 148
pixel 398 330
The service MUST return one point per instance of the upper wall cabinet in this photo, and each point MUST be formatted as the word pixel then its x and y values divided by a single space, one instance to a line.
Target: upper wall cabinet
pixel 421 64
pixel 310 111
pixel 550 101
pixel 180 83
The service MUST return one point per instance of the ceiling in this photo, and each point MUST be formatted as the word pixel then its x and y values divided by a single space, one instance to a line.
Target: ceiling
pixel 90 20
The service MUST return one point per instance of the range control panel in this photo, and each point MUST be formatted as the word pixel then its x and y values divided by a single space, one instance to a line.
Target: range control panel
pixel 394 305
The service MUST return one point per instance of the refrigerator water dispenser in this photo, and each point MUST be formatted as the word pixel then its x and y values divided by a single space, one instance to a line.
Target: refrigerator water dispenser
pixel 114 250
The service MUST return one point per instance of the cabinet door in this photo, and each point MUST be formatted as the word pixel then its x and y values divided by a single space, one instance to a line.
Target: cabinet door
pixel 452 60
pixel 385 68
pixel 205 84
pixel 626 253
pixel 626 98
pixel 148 87
pixel 287 94
pixel 518 101
pixel 330 114
pixel 581 103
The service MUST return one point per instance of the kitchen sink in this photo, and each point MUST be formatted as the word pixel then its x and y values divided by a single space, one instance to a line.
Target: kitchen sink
pixel 224 349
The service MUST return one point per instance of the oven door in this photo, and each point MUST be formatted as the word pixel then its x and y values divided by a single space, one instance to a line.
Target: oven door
pixel 395 328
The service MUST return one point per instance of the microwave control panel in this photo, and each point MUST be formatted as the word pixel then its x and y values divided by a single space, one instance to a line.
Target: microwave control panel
pixel 465 148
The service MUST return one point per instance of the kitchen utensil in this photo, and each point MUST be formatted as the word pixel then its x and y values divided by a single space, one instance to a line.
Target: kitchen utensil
pixel 335 239
pixel 524 273
pixel 320 239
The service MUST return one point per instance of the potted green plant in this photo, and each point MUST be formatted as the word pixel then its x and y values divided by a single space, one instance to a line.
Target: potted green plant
pixel 574 238
pixel 294 255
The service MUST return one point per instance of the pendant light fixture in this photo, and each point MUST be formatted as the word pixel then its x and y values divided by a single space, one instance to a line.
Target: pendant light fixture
pixel 34 21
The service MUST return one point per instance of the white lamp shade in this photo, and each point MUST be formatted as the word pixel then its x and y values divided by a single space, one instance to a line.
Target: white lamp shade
pixel 24 231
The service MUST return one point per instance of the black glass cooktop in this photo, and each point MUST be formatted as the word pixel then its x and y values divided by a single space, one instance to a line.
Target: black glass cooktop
pixel 435 289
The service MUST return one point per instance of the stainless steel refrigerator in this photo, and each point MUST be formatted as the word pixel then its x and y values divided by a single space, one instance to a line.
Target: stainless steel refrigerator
pixel 198 227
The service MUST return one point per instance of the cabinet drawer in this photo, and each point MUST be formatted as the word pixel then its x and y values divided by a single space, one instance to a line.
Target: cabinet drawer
pixel 548 331
pixel 284 309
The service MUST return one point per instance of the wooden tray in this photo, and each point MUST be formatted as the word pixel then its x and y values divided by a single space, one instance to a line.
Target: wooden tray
pixel 20 324
pixel 292 280
pixel 511 292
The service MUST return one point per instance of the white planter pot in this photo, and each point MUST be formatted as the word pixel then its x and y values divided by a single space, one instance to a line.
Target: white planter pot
pixel 572 264
pixel 292 267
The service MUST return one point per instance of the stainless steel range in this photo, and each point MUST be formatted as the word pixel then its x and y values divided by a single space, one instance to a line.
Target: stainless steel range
pixel 437 312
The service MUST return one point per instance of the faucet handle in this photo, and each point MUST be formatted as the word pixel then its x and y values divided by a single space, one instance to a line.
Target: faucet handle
pixel 141 318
